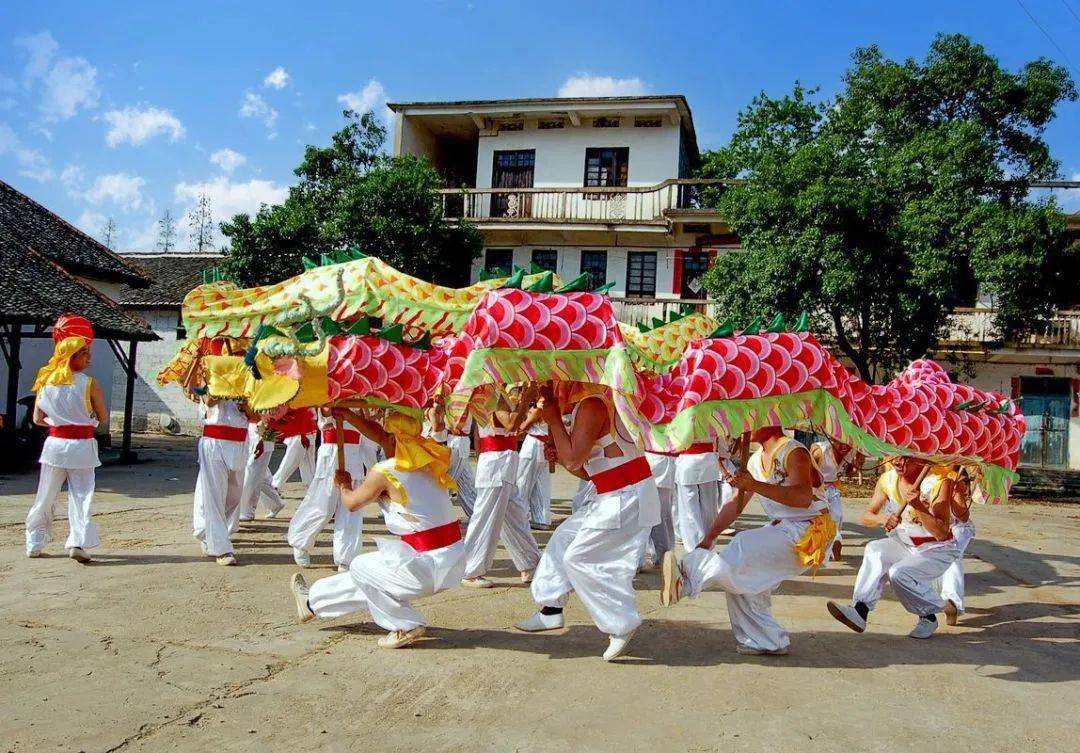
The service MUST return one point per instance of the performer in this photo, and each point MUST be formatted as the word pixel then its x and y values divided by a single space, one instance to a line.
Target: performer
pixel 71 404
pixel 297 430
pixel 963 531
pixel 596 551
pixel 533 484
pixel 218 487
pixel 411 488
pixel 258 483
pixel 323 499
pixel 584 496
pixel 911 502
pixel 697 486
pixel 782 478
pixel 833 458
pixel 499 513
pixel 460 444
pixel 662 535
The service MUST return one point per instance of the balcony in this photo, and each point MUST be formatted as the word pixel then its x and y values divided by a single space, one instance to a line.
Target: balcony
pixel 643 310
pixel 675 199
pixel 976 325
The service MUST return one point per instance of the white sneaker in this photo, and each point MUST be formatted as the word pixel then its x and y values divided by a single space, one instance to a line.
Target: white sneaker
pixel 752 651
pixel 618 645
pixel 924 628
pixel 526 576
pixel 478 582
pixel 299 588
pixel 275 512
pixel 846 614
pixel 301 558
pixel 247 520
pixel 401 638
pixel 79 555
pixel 538 623
pixel 952 612
pixel 228 559
pixel 670 579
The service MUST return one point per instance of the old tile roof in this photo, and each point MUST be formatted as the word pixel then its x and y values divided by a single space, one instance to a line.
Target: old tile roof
pixel 36 290
pixel 28 223
pixel 172 277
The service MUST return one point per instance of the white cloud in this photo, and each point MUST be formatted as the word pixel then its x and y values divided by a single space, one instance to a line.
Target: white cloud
pixel 31 163
pixel 254 106
pixel 91 222
pixel 227 159
pixel 602 86
pixel 68 84
pixel 227 198
pixel 371 97
pixel 136 125
pixel 73 177
pixel 122 189
pixel 277 78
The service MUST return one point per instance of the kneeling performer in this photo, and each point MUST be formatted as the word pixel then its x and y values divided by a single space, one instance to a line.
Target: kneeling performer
pixel 412 488
pixel 596 551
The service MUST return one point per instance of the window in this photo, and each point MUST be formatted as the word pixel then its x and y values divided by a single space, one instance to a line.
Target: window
pixel 641 274
pixel 512 125
pixel 546 259
pixel 694 265
pixel 605 123
pixel 512 169
pixel 550 123
pixel 499 261
pixel 607 166
pixel 648 122
pixel 594 263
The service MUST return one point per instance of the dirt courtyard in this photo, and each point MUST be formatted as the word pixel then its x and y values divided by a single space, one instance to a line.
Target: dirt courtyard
pixel 156 648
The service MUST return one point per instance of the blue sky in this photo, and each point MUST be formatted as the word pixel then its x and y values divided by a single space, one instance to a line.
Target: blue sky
pixel 124 109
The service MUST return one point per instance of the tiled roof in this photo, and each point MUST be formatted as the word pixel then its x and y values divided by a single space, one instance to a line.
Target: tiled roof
pixel 172 276
pixel 36 290
pixel 33 226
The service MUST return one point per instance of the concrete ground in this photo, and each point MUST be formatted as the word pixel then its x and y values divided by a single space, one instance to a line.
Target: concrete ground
pixel 154 647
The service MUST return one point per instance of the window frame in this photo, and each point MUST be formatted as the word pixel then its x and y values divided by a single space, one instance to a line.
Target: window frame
pixel 509 257
pixel 594 280
pixel 554 252
pixel 619 171
pixel 640 290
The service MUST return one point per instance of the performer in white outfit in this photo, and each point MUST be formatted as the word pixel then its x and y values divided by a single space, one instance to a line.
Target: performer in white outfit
pixel 782 478
pixel 596 551
pixel 533 483
pixel 258 483
pixel 323 499
pixel 297 432
pixel 584 496
pixel 833 458
pixel 427 557
pixel 697 486
pixel 911 502
pixel 499 513
pixel 222 457
pixel 963 531
pixel 460 443
pixel 662 536
pixel 72 406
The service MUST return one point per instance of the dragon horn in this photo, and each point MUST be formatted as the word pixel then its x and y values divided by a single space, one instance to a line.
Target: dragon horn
pixel 778 324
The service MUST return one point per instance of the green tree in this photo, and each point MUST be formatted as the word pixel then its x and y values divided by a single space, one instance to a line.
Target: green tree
pixel 882 209
pixel 350 193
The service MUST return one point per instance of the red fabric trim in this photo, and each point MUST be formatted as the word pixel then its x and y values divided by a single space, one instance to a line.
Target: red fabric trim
pixel 699 448
pixel 622 476
pixel 497 444
pixel 329 436
pixel 228 433
pixel 1015 388
pixel 433 538
pixel 920 540
pixel 72 431
pixel 296 423
pixel 677 273
pixel 545 438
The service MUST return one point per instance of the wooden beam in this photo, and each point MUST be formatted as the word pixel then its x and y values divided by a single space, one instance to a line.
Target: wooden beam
pixel 126 455
pixel 575 119
pixel 479 121
pixel 11 409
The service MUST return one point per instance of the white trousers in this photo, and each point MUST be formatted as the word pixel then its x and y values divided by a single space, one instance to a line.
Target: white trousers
pixel 836 510
pixel 386 581
pixel 749 569
pixel 952 580
pixel 499 515
pixel 82 532
pixel 462 472
pixel 217 500
pixel 662 535
pixel 585 494
pixel 258 484
pixel 698 507
pixel 534 484
pixel 597 564
pixel 321 502
pixel 911 570
pixel 296 457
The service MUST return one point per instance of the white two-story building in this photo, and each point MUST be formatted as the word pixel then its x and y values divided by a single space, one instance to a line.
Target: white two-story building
pixel 599 185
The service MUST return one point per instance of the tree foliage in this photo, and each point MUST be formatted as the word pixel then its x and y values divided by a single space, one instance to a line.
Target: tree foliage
pixel 882 209
pixel 350 194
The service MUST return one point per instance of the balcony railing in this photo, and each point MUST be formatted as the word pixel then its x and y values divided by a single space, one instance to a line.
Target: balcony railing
pixel 644 310
pixel 976 325
pixel 641 205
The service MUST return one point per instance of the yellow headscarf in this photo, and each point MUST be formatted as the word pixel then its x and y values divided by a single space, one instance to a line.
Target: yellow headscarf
pixel 58 370
pixel 413 452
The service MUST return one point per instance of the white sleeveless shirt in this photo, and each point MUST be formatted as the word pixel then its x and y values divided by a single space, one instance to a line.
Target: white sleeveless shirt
pixel 777 475
pixel 426 504
pixel 909 527
pixel 68 405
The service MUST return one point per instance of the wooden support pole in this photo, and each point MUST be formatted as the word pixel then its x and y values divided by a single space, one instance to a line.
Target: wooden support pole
pixel 126 455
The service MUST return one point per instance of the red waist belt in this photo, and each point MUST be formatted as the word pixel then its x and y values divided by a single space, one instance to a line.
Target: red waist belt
pixel 700 448
pixel 433 538
pixel 497 444
pixel 228 433
pixel 621 476
pixel 74 431
pixel 920 540
pixel 329 436
pixel 543 438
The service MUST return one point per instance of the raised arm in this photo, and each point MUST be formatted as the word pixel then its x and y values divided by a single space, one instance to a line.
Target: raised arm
pixel 800 472
pixel 370 489
pixel 934 513
pixel 872 517
pixel 572 450
pixel 370 429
